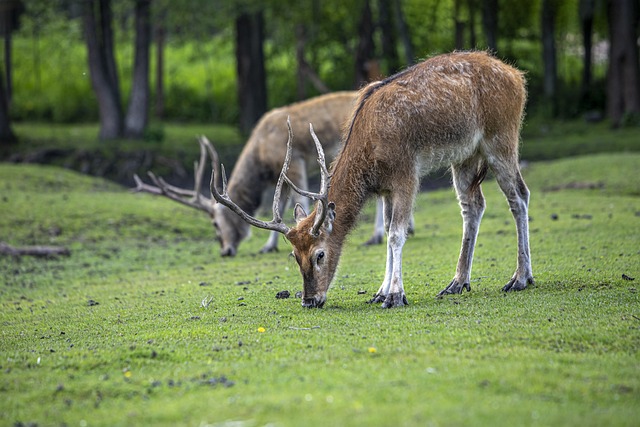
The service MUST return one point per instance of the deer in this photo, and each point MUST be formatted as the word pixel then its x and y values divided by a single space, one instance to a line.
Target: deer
pixel 259 164
pixel 463 110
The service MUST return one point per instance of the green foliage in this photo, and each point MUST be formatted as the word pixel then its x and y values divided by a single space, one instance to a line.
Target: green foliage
pixel 52 83
pixel 144 324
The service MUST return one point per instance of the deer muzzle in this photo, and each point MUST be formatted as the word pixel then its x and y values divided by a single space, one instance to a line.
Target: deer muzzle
pixel 314 302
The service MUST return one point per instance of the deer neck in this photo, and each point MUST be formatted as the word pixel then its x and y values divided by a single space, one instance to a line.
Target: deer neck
pixel 247 184
pixel 349 190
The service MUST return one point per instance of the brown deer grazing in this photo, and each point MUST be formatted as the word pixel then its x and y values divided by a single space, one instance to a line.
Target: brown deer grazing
pixel 462 109
pixel 259 165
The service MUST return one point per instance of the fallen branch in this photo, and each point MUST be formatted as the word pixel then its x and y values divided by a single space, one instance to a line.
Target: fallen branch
pixel 37 251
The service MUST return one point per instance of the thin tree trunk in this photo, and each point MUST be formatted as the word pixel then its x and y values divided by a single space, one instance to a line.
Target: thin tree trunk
pixel 365 50
pixel 160 40
pixel 471 4
pixel 138 110
pixel 7 55
pixel 549 53
pixel 252 87
pixel 7 136
pixel 623 88
pixel 490 23
pixel 102 67
pixel 388 36
pixel 459 25
pixel 586 12
pixel 301 91
pixel 405 36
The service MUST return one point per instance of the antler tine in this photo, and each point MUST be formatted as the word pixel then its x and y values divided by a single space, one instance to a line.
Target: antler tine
pixel 321 197
pixel 176 194
pixel 198 172
pixel 275 224
pixel 213 154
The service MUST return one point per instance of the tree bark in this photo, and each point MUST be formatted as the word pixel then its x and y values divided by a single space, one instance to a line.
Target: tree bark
pixel 623 87
pixel 7 136
pixel 490 23
pixel 388 37
pixel 301 87
pixel 549 53
pixel 405 36
pixel 138 110
pixel 252 87
pixel 586 12
pixel 160 40
pixel 459 25
pixel 365 50
pixel 104 78
pixel 471 5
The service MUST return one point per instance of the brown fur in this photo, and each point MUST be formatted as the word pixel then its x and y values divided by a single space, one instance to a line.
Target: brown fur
pixel 462 109
pixel 263 155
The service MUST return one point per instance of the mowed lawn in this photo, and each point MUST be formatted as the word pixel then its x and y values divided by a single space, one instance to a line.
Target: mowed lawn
pixel 144 323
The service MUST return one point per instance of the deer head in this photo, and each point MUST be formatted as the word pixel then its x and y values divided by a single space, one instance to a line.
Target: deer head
pixel 309 236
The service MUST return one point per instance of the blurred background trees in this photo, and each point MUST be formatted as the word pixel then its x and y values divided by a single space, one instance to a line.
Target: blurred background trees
pixel 126 63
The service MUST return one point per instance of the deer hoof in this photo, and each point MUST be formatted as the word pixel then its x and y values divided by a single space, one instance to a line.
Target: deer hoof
pixel 516 284
pixel 376 299
pixel 268 249
pixel 395 300
pixel 455 287
pixel 373 240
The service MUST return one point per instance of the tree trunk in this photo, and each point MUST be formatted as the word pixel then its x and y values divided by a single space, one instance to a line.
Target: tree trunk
pixel 623 88
pixel 138 110
pixel 102 67
pixel 301 87
pixel 7 56
pixel 252 87
pixel 160 39
pixel 549 53
pixel 459 25
pixel 490 23
pixel 7 136
pixel 586 12
pixel 365 50
pixel 405 36
pixel 471 4
pixel 388 37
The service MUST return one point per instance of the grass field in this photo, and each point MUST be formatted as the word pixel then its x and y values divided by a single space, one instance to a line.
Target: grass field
pixel 144 324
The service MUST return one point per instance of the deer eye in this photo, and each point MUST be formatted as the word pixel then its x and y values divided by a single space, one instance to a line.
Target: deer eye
pixel 320 256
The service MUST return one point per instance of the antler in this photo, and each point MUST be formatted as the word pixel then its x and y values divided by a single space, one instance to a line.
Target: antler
pixel 276 223
pixel 321 197
pixel 192 198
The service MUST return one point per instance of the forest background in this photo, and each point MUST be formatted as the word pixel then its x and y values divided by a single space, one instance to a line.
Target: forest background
pixel 134 65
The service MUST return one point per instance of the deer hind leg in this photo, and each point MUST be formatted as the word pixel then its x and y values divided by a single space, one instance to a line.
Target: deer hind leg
pixel 514 188
pixel 466 180
pixel 378 226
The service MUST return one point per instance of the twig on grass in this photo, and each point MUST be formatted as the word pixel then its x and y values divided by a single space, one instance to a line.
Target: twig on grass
pixel 304 329
pixel 37 251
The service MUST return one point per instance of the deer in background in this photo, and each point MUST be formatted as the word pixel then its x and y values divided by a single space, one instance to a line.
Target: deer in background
pixel 462 110
pixel 259 164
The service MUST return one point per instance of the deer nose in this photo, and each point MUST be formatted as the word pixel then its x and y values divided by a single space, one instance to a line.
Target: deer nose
pixel 229 251
pixel 312 302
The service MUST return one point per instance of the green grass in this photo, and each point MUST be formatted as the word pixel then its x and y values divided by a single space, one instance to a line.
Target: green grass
pixel 150 352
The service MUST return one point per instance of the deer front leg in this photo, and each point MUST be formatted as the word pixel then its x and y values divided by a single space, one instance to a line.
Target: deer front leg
pixel 391 293
pixel 472 204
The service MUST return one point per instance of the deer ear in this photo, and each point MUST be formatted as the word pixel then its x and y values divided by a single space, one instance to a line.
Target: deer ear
pixel 298 213
pixel 331 215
